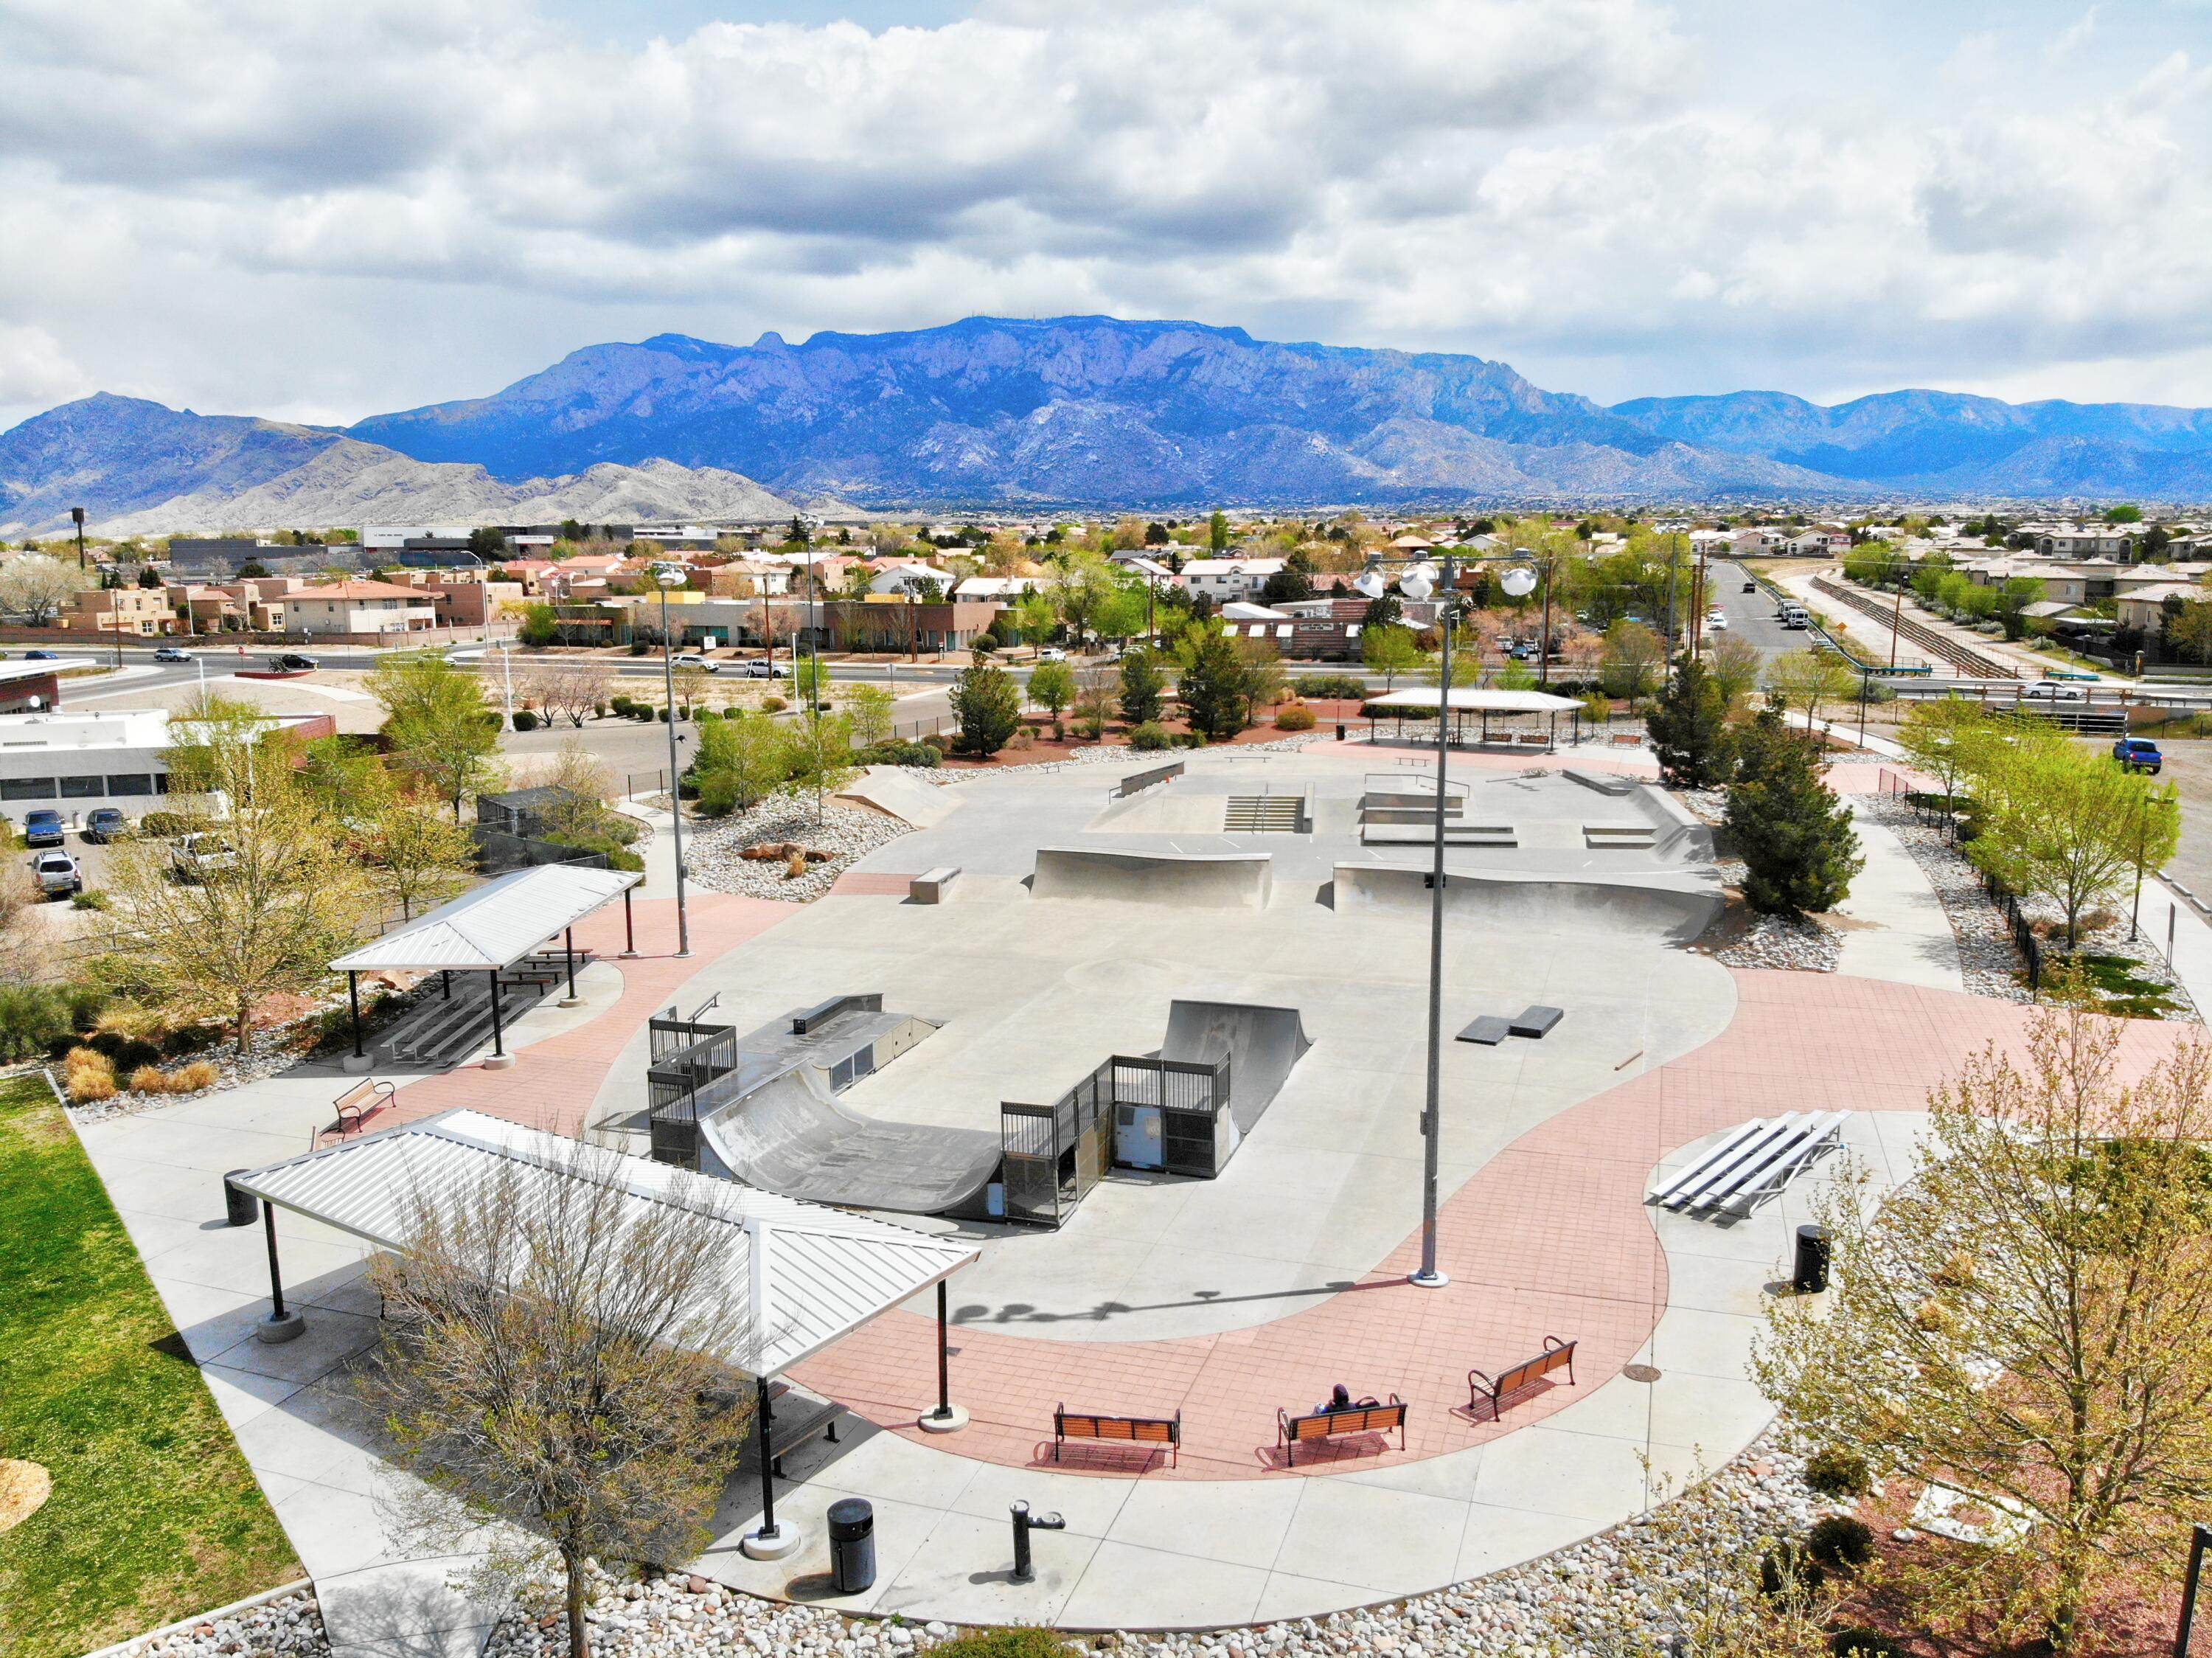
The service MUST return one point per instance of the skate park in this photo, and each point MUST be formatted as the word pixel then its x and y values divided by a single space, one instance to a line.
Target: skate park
pixel 939 986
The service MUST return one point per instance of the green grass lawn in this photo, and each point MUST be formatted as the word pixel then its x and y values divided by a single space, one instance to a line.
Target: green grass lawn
pixel 154 1515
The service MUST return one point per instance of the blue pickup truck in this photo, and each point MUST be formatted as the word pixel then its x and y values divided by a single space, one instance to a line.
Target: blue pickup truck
pixel 2138 754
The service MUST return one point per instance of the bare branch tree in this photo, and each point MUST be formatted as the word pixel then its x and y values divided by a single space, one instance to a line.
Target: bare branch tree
pixel 566 1356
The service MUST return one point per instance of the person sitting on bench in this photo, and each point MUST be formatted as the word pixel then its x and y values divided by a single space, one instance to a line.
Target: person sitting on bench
pixel 1340 1399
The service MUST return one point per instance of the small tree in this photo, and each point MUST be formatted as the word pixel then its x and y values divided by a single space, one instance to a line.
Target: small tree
pixel 871 708
pixel 1217 532
pixel 2029 1319
pixel 564 1356
pixel 1795 837
pixel 1390 650
pixel 820 756
pixel 570 690
pixel 415 855
pixel 987 708
pixel 742 757
pixel 1211 683
pixel 1941 737
pixel 1052 687
pixel 1806 679
pixel 438 725
pixel 540 626
pixel 1142 683
pixel 2069 824
pixel 1095 699
pixel 690 681
pixel 1631 660
pixel 2015 594
pixel 1735 665
pixel 265 914
pixel 37 589
pixel 1689 729
pixel 1263 680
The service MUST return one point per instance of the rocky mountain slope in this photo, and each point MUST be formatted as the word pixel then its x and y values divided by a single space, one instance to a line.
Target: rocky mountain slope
pixel 1073 412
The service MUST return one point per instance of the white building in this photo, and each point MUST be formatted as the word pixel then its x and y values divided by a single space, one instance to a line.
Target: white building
pixel 72 763
pixel 367 607
pixel 391 538
pixel 1223 579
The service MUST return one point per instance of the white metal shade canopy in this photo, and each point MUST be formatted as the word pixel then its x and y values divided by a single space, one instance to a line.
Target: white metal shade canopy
pixel 495 926
pixel 802 1274
pixel 1473 700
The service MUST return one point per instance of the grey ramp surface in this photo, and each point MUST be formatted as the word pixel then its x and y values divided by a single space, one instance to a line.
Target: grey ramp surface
pixel 790 1136
pixel 1262 1044
pixel 1208 880
pixel 1675 906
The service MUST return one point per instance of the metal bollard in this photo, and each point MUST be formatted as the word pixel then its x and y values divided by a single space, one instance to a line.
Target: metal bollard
pixel 1024 1523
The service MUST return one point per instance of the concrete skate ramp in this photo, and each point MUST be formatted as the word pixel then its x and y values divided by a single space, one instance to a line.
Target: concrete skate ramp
pixel 1262 1044
pixel 1220 881
pixel 789 1136
pixel 897 792
pixel 1662 905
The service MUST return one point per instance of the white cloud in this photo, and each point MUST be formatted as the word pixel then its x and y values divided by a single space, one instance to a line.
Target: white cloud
pixel 328 210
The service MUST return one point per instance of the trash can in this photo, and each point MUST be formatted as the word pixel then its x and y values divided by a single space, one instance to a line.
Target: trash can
pixel 1340 731
pixel 852 1545
pixel 1812 1275
pixel 238 1208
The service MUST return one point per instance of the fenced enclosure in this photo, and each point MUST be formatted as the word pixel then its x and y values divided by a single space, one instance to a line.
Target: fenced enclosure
pixel 685 1058
pixel 1052 1155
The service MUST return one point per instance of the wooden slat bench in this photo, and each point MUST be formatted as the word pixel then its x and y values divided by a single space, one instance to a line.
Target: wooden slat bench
pixel 1068 1424
pixel 793 1420
pixel 1557 1354
pixel 362 1101
pixel 1291 1432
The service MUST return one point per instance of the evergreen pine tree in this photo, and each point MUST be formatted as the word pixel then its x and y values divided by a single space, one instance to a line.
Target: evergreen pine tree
pixel 1141 684
pixel 1211 687
pixel 987 709
pixel 1689 728
pixel 1794 835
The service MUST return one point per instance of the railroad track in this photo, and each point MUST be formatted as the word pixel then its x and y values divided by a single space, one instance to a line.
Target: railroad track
pixel 1940 645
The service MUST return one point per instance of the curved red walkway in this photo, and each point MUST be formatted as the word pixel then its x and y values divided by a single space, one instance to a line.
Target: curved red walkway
pixel 1550 1237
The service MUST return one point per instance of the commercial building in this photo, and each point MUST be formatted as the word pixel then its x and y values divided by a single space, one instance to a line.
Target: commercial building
pixel 73 763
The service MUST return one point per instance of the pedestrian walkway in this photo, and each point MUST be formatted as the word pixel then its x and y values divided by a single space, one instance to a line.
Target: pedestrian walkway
pixel 1894 926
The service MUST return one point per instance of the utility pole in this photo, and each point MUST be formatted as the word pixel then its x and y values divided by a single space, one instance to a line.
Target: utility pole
pixel 666 576
pixel 77 517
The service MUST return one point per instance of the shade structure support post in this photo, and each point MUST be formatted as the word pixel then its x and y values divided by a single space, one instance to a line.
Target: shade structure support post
pixel 770 1541
pixel 282 1324
pixel 569 949
pixel 1429 1276
pixel 947 1418
pixel 353 1001
pixel 500 1059
pixel 630 927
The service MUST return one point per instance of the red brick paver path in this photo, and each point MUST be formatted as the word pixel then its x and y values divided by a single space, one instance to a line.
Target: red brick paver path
pixel 552 1083
pixel 1549 1238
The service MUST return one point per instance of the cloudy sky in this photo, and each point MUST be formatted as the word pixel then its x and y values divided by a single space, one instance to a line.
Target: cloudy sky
pixel 322 212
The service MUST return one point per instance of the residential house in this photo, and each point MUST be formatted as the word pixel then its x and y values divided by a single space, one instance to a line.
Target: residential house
pixel 142 612
pixel 369 608
pixel 1223 579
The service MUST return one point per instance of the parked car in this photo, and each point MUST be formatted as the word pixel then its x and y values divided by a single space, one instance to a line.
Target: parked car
pixel 2055 691
pixel 57 874
pixel 1716 623
pixel 760 667
pixel 43 829
pixel 196 856
pixel 173 654
pixel 2139 754
pixel 1052 653
pixel 693 658
pixel 293 662
pixel 105 823
pixel 42 656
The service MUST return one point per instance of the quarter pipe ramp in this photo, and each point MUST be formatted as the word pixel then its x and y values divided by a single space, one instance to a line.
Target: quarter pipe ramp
pixel 789 1136
pixel 1675 906
pixel 1260 1044
pixel 1223 880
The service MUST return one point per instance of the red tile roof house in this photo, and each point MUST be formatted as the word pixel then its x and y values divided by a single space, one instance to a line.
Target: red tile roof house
pixel 362 611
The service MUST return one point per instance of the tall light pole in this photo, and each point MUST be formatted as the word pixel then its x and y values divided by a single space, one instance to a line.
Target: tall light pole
pixel 77 517
pixel 666 576
pixel 1418 583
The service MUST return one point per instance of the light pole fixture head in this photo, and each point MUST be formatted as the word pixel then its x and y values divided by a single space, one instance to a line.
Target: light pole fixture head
pixel 1519 582
pixel 1418 582
pixel 1370 584
pixel 670 575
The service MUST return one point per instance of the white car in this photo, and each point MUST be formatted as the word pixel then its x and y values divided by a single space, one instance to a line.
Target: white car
pixel 2055 691
pixel 57 874
pixel 1715 623
pixel 759 668
pixel 693 658
pixel 1052 653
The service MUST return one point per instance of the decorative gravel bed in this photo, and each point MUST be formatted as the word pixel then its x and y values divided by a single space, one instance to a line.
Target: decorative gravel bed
pixel 268 1051
pixel 290 1626
pixel 1584 1598
pixel 846 831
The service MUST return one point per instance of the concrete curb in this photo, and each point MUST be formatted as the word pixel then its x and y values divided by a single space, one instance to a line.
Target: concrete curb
pixel 183 1624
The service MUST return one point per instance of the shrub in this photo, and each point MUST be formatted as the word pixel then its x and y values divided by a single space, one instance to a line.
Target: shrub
pixel 599 711
pixel 164 824
pixel 1329 684
pixel 1788 1569
pixel 1186 739
pixel 1294 717
pixel 1012 1643
pixel 938 740
pixel 88 1076
pixel 149 1079
pixel 1148 738
pixel 895 752
pixel 524 720
pixel 89 900
pixel 1022 737
pixel 1834 1471
pixel 34 1018
pixel 1860 1642
pixel 1839 1542
pixel 773 704
pixel 639 648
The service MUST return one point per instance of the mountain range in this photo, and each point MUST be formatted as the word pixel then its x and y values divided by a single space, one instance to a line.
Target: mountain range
pixel 1072 412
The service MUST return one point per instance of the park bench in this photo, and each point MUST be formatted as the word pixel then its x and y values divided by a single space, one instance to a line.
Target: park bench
pixel 1292 1431
pixel 793 1420
pixel 362 1101
pixel 1133 1431
pixel 1513 1378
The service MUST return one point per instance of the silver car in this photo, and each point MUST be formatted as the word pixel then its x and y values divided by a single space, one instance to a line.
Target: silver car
pixel 57 874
